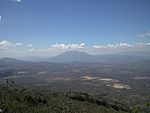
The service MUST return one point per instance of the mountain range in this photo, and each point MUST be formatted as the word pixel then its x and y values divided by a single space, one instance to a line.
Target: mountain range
pixel 75 56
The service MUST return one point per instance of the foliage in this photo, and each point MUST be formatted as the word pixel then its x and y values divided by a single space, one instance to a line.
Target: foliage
pixel 26 101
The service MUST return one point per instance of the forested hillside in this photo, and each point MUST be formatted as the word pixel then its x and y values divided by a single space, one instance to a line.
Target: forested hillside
pixel 21 100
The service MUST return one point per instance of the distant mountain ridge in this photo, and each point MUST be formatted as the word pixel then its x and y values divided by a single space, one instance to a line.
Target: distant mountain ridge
pixel 10 60
pixel 124 57
pixel 76 56
pixel 72 56
pixel 15 62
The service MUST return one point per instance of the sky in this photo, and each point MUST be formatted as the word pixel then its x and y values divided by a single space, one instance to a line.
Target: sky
pixel 49 27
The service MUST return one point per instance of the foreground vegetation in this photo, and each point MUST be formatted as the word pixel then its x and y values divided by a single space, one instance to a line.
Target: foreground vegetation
pixel 14 100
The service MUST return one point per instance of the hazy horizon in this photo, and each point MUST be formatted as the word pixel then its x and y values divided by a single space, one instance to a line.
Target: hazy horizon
pixel 48 28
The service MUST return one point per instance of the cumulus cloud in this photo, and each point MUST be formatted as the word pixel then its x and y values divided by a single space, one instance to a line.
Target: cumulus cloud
pixel 6 44
pixel 16 0
pixel 18 49
pixel 18 44
pixel 123 45
pixel 1 20
pixel 29 45
pixel 68 46
pixel 31 50
pixel 142 45
pixel 117 45
pixel 145 34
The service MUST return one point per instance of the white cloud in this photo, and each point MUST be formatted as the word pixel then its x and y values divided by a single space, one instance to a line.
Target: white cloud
pixel 142 45
pixel 31 50
pixel 117 45
pixel 104 46
pixel 145 34
pixel 123 45
pixel 17 49
pixel 1 20
pixel 16 0
pixel 6 44
pixel 18 44
pixel 29 45
pixel 68 46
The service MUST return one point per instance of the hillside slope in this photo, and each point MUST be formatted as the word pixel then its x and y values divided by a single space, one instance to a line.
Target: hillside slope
pixel 27 101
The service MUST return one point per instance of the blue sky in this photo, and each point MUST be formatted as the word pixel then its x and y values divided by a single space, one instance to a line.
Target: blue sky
pixel 42 23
